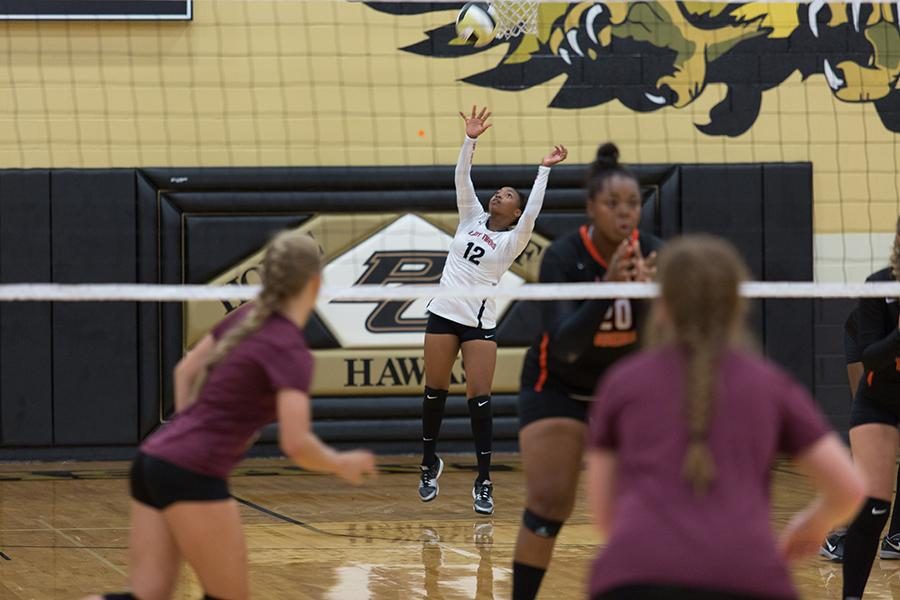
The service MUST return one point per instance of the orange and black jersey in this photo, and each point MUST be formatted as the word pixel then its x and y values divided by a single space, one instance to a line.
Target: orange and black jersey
pixel 879 341
pixel 580 338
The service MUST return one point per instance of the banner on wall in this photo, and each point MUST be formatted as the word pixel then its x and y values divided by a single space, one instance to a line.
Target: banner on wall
pixel 380 343
pixel 96 10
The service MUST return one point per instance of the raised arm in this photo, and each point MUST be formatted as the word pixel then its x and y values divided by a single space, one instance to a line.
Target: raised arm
pixel 536 198
pixel 466 200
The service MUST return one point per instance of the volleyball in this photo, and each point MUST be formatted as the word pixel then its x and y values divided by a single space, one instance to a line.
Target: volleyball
pixel 476 24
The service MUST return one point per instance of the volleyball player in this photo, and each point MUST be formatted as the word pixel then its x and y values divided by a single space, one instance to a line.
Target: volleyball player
pixel 874 417
pixel 579 342
pixel 485 245
pixel 682 441
pixel 254 368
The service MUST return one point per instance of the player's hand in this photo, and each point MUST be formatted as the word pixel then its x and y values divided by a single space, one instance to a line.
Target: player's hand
pixel 646 267
pixel 558 155
pixel 622 265
pixel 803 536
pixel 476 125
pixel 354 465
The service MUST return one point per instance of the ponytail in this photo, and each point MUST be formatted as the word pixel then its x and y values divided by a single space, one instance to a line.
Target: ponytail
pixel 291 260
pixel 699 468
pixel 700 277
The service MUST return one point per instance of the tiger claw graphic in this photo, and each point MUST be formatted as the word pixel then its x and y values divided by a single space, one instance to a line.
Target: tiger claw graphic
pixel 652 56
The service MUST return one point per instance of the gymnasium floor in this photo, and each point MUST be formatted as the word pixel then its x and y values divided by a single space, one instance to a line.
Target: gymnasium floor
pixel 63 534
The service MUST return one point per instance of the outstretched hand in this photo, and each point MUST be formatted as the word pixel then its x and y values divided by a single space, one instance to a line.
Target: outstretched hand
pixel 558 155
pixel 476 125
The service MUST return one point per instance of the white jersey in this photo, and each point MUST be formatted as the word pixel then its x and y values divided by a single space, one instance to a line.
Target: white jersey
pixel 477 255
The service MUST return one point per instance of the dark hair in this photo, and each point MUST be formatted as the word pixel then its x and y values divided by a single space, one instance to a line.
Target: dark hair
pixel 605 166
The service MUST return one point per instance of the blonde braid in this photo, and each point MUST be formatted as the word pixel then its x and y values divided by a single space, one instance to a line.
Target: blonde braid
pixel 291 260
pixel 700 277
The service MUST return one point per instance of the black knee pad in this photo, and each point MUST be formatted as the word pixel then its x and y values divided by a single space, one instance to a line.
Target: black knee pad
pixel 208 597
pixel 480 407
pixel 122 596
pixel 435 396
pixel 540 526
pixel 872 517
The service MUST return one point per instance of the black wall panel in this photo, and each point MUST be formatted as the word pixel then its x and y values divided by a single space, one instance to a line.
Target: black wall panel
pixel 26 388
pixel 788 256
pixel 98 372
pixel 95 370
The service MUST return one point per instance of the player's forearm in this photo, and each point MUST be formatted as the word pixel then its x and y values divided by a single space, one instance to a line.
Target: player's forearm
pixel 883 353
pixel 309 452
pixel 535 201
pixel 574 334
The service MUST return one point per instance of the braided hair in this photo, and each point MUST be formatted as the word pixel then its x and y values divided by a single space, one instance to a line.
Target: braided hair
pixel 291 260
pixel 700 277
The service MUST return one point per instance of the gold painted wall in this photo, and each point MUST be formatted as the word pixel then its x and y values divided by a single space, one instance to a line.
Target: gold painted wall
pixel 322 82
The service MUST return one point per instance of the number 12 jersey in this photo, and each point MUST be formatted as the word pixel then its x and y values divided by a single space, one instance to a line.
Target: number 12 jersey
pixel 479 256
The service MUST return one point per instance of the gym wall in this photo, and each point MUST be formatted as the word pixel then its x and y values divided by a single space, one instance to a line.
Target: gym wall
pixel 169 151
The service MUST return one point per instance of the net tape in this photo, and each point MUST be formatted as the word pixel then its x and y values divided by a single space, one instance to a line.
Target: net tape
pixel 375 293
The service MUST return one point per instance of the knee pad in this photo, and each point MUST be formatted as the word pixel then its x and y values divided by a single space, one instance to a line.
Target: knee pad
pixel 122 596
pixel 872 518
pixel 208 597
pixel 540 526
pixel 435 396
pixel 480 407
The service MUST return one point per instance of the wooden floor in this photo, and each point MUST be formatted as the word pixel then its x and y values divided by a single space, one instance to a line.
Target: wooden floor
pixel 63 533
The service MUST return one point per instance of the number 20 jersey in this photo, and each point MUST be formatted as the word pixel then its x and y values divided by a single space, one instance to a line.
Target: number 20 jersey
pixel 574 258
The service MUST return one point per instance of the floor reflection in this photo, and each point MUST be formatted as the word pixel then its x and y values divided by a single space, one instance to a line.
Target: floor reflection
pixel 444 583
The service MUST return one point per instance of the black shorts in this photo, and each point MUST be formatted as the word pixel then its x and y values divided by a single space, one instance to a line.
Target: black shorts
pixel 549 403
pixel 159 484
pixel 665 592
pixel 866 410
pixel 438 324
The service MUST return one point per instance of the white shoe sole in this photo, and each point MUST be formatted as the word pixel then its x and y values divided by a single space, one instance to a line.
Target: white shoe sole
pixel 889 554
pixel 829 555
pixel 478 510
pixel 437 488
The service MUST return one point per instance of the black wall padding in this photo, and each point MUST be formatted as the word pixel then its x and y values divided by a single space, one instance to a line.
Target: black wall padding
pixel 26 388
pixel 95 374
pixel 213 240
pixel 788 256
pixel 149 363
pixel 387 408
pixel 831 385
pixel 95 371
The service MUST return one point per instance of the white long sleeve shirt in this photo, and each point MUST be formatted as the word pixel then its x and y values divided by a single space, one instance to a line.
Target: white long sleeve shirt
pixel 477 255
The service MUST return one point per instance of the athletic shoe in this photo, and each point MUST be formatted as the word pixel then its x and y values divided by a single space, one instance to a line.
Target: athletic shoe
pixel 890 547
pixel 428 485
pixel 484 500
pixel 833 546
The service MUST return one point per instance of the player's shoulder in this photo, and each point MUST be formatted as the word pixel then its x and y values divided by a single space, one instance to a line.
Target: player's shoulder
pixel 279 334
pixel 566 245
pixel 885 274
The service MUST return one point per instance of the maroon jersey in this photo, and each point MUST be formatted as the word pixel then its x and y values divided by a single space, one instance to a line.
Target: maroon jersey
pixel 664 534
pixel 238 398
